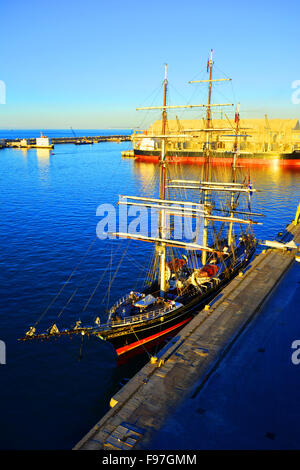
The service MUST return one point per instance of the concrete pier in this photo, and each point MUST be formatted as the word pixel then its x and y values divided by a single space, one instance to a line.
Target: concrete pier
pixel 67 140
pixel 140 409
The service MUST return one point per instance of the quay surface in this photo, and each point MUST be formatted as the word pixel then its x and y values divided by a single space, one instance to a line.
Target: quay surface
pixel 185 365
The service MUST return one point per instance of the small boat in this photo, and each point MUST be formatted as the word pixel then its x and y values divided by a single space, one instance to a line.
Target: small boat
pixel 83 141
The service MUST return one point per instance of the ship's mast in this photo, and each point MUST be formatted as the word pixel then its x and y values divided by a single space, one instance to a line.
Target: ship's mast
pixel 236 142
pixel 209 89
pixel 230 236
pixel 163 147
pixel 207 156
pixel 162 214
pixel 206 190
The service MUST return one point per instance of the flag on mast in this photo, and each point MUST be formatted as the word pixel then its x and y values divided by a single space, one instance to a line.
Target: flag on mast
pixel 237 113
pixel 207 66
pixel 250 192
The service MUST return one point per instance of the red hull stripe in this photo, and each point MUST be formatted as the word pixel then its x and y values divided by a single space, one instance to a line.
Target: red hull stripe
pixel 227 161
pixel 149 338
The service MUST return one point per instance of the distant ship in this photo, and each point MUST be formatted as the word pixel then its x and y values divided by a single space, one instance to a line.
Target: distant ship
pixel 262 141
pixel 146 148
pixel 43 142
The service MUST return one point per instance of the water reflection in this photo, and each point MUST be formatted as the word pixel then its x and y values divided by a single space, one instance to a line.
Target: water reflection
pixel 278 187
pixel 274 175
pixel 24 151
pixel 43 158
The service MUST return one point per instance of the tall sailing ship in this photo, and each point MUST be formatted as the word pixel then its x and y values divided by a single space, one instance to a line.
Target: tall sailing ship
pixel 188 272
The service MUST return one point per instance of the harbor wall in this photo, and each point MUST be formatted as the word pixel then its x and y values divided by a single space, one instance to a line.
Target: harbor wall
pixel 65 140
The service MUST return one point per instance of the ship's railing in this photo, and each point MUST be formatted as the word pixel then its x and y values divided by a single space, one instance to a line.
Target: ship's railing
pixel 116 305
pixel 123 299
pixel 142 317
pixel 78 329
pixel 120 301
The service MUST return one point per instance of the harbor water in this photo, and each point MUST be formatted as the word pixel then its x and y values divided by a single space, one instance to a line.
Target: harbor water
pixel 52 393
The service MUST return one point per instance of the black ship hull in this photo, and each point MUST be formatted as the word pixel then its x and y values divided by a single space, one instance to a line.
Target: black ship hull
pixel 126 339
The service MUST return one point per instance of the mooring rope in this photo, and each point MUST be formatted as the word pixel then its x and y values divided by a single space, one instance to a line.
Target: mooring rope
pixel 65 283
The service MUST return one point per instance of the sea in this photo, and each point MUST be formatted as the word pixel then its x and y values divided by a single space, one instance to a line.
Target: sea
pixel 55 269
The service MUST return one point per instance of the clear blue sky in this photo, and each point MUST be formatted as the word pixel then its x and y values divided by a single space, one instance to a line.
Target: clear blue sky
pixel 89 64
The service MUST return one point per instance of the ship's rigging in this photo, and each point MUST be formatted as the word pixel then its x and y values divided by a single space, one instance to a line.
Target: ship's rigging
pixel 185 273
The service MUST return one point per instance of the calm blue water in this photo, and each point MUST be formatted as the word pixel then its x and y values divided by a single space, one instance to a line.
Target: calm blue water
pixel 48 398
